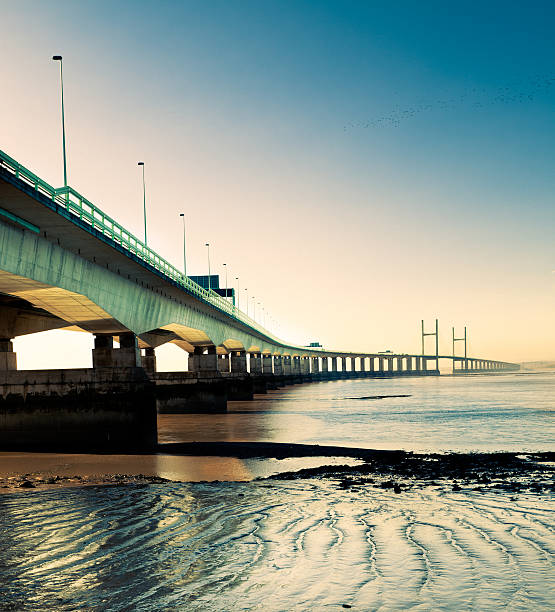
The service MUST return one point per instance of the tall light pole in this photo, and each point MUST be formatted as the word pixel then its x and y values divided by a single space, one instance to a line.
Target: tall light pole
pixel 247 292
pixel 238 290
pixel 184 249
pixel 58 58
pixel 225 266
pixel 207 245
pixel 142 164
pixel 253 308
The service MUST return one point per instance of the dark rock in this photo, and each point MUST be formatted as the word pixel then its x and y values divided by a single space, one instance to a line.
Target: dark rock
pixel 456 487
pixel 397 489
pixel 26 484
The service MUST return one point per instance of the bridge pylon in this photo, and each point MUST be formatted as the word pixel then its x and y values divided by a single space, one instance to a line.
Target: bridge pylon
pixel 463 339
pixel 436 334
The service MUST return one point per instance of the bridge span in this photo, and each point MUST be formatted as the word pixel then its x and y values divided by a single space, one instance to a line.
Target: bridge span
pixel 64 263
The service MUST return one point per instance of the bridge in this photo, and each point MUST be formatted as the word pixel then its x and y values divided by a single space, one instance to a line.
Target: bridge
pixel 65 264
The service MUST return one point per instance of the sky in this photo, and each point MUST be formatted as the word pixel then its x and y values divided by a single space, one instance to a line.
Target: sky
pixel 360 166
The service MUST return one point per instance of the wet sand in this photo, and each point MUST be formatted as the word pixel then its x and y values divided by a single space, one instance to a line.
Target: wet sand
pixel 244 461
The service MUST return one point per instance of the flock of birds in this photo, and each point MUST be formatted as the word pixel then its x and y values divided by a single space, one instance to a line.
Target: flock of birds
pixel 476 98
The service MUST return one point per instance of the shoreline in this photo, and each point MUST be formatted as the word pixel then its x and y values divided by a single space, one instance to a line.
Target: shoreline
pixel 396 469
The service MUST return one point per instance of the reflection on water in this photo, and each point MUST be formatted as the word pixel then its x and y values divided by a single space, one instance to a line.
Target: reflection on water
pixel 302 545
pixel 39 467
pixel 509 412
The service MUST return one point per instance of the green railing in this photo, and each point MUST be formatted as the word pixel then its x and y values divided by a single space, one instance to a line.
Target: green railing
pixel 90 215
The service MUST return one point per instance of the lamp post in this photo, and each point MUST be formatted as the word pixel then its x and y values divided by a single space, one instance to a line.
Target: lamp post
pixel 238 289
pixel 207 245
pixel 58 58
pixel 225 266
pixel 247 293
pixel 253 308
pixel 184 249
pixel 142 164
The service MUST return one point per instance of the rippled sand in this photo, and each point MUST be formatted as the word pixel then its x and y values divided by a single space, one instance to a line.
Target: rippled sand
pixel 301 545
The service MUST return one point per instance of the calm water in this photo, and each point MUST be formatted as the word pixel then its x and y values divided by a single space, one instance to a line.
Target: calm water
pixel 510 412
pixel 303 545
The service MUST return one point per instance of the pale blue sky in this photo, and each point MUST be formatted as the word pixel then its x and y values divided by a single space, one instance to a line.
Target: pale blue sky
pixel 359 165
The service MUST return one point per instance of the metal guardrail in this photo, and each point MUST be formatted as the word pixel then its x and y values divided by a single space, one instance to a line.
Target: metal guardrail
pixel 84 210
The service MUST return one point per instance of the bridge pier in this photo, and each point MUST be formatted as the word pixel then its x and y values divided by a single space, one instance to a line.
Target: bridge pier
pixel 390 366
pixel 278 365
pixel 8 359
pixel 148 361
pixel 344 367
pixel 362 366
pixel 201 389
pixel 315 367
pixel 258 380
pixel 324 374
pixel 223 363
pixel 105 355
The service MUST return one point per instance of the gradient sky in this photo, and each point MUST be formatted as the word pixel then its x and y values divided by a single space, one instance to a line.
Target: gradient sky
pixel 359 165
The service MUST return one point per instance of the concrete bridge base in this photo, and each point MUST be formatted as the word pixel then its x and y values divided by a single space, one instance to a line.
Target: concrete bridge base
pixel 240 387
pixel 190 392
pixel 77 410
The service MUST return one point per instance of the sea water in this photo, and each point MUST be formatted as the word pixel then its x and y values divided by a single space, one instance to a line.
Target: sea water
pixel 306 544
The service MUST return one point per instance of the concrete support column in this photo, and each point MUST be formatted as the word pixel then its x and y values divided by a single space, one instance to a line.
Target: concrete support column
pixel 363 364
pixel 296 365
pixel 148 360
pixel 199 361
pixel 325 365
pixel 380 364
pixel 334 364
pixel 390 365
pixel 353 364
pixel 315 364
pixel 8 359
pixel 409 364
pixel 305 365
pixel 267 365
pixel 255 363
pixel 127 355
pixel 417 364
pixel 344 364
pixel 371 364
pixel 286 365
pixel 278 365
pixel 238 362
pixel 223 363
pixel 399 364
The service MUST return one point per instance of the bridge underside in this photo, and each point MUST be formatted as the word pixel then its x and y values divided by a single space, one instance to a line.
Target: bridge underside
pixel 59 289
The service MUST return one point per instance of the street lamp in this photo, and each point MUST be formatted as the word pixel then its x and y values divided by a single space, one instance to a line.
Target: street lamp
pixel 184 250
pixel 247 292
pixel 237 279
pixel 142 164
pixel 225 266
pixel 207 245
pixel 58 58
